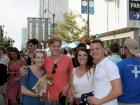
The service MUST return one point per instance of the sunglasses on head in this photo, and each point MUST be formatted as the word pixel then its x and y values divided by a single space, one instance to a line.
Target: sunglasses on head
pixel 54 68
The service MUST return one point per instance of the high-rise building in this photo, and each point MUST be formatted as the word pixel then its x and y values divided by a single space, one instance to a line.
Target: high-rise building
pixel 43 8
pixel 48 8
pixel 55 10
pixel 24 38
pixel 38 28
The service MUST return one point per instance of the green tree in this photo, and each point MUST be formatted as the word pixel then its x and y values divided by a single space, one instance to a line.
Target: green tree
pixel 6 42
pixel 69 30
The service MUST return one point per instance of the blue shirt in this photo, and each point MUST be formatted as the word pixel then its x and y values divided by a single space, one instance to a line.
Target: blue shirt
pixel 29 81
pixel 129 69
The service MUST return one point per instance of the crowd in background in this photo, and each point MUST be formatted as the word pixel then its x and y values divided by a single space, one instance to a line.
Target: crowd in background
pixel 82 76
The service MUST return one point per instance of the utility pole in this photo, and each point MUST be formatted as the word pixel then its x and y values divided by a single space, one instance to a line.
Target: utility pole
pixel 87 18
pixel 53 24
pixel 1 32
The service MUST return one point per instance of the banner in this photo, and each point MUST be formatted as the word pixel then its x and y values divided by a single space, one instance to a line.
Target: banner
pixel 84 6
pixel 134 9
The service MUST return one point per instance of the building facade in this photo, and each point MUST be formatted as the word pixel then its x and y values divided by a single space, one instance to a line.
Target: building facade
pixel 38 28
pixel 113 19
pixel 122 22
pixel 24 38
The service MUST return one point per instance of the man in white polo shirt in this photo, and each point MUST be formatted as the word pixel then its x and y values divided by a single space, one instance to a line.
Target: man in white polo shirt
pixel 107 83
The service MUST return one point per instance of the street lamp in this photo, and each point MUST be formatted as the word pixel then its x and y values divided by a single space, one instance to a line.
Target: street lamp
pixel 1 32
pixel 53 24
pixel 53 17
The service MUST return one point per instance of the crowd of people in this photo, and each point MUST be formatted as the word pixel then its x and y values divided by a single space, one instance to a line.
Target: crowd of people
pixel 92 76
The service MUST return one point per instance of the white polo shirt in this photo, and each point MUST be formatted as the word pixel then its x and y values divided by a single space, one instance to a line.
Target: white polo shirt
pixel 105 72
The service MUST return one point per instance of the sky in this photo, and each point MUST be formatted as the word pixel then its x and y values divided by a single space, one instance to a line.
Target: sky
pixel 13 15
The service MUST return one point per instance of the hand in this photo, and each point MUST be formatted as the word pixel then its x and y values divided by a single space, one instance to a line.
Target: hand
pixel 44 96
pixel 72 91
pixel 49 76
pixel 17 79
pixel 23 71
pixel 94 101
pixel 65 90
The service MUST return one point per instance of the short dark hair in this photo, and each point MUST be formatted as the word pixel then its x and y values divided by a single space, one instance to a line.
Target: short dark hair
pixel 114 47
pixel 33 41
pixel 97 41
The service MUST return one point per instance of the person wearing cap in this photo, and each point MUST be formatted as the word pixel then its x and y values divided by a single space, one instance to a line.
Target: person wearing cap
pixel 129 69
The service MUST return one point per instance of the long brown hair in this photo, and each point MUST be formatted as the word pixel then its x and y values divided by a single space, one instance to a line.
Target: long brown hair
pixel 89 60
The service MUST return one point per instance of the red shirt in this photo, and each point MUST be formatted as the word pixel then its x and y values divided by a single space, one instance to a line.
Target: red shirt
pixel 64 65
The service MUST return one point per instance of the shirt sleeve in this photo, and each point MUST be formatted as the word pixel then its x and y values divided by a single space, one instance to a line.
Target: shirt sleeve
pixel 24 80
pixel 113 71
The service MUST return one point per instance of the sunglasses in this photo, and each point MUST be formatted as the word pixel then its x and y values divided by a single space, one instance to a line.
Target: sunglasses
pixel 54 68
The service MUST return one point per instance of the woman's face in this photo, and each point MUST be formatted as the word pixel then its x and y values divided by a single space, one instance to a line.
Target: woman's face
pixel 82 57
pixel 55 48
pixel 13 55
pixel 39 59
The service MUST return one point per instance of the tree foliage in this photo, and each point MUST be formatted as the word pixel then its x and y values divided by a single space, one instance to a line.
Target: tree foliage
pixel 69 30
pixel 6 42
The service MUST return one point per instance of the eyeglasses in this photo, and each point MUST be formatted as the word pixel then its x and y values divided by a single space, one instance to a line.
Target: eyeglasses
pixel 54 68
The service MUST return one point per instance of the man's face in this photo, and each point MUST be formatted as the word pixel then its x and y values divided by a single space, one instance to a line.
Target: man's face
pixel 55 48
pixel 125 50
pixel 31 47
pixel 97 51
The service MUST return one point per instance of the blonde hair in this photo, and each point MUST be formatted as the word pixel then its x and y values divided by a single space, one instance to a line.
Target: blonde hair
pixel 39 51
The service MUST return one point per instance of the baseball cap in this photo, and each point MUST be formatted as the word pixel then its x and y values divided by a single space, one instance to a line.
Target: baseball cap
pixel 132 45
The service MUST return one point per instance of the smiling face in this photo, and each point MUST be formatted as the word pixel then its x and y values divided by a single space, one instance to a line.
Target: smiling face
pixel 82 57
pixel 39 58
pixel 55 48
pixel 97 51
pixel 13 55
pixel 31 47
